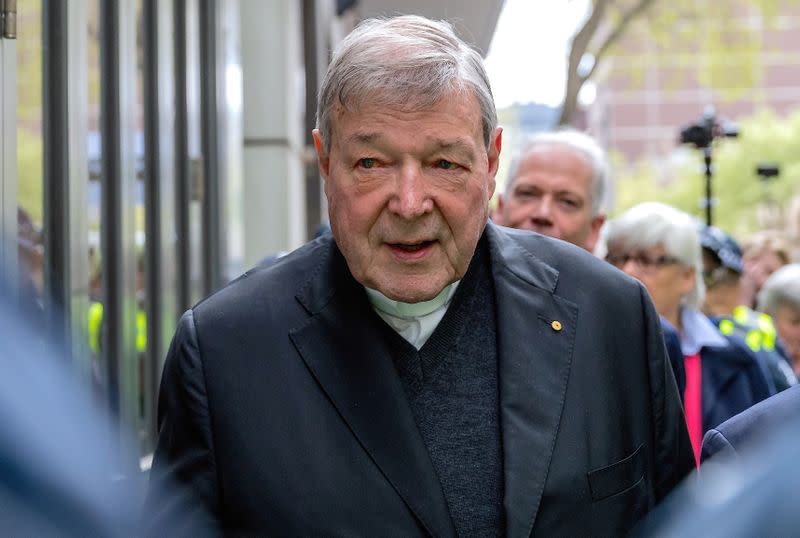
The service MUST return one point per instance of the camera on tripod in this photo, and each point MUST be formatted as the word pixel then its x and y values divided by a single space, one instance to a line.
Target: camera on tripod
pixel 706 129
pixel 767 171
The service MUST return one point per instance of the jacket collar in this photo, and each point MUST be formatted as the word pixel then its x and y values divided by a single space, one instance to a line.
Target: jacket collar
pixel 536 333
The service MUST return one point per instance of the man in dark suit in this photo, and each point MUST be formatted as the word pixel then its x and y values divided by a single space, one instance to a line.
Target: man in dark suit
pixel 748 481
pixel 421 372
pixel 752 425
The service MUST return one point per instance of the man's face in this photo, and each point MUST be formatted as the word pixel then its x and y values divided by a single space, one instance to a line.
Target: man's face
pixel 787 324
pixel 408 193
pixel 552 195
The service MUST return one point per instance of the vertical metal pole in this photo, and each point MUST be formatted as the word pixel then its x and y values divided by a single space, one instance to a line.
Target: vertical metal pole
pixel 152 205
pixel 182 191
pixel 708 175
pixel 64 97
pixel 315 58
pixel 159 114
pixel 118 185
pixel 212 255
pixel 111 200
pixel 57 235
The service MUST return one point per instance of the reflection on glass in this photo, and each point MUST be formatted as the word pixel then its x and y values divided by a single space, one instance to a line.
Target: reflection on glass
pixel 194 141
pixel 140 340
pixel 30 158
pixel 94 202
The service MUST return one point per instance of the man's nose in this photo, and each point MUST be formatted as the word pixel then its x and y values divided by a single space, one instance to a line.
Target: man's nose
pixel 411 199
pixel 543 211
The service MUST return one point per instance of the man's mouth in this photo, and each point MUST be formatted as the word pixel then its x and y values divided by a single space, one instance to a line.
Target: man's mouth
pixel 411 247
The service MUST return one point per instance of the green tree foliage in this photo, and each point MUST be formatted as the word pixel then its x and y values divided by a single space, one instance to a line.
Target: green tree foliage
pixel 729 43
pixel 764 138
pixel 29 109
pixel 29 170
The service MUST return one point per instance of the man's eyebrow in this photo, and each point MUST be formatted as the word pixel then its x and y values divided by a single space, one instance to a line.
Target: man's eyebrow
pixel 463 147
pixel 365 137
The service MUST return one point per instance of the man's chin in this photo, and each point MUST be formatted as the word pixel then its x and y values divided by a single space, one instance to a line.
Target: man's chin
pixel 411 296
pixel 410 292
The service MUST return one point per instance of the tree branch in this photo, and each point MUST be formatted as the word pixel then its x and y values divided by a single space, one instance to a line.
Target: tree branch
pixel 584 36
pixel 637 9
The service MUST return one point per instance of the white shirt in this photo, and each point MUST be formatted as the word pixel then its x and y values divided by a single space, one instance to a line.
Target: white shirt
pixel 698 332
pixel 413 321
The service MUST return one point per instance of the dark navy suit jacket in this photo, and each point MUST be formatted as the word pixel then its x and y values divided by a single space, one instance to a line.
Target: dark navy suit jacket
pixel 748 427
pixel 748 482
pixel 281 406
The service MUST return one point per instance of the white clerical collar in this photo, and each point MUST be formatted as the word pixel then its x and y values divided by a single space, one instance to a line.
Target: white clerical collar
pixel 414 322
pixel 410 310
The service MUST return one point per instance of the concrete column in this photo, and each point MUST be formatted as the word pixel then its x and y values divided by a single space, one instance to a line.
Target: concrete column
pixel 273 112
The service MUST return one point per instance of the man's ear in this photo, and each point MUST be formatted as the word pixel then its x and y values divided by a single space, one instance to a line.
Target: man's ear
pixel 495 145
pixel 498 211
pixel 322 156
pixel 594 232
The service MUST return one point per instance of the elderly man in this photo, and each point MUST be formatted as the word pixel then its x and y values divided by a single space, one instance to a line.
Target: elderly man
pixel 420 372
pixel 556 187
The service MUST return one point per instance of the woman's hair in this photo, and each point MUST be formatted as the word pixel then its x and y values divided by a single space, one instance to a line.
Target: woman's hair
pixel 651 224
pixel 409 62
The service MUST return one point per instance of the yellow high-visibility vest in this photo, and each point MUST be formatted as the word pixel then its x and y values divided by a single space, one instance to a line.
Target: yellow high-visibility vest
pixel 756 328
pixel 96 324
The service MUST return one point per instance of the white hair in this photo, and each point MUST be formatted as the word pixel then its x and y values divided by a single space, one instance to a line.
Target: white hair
pixel 405 61
pixel 781 288
pixel 653 224
pixel 580 143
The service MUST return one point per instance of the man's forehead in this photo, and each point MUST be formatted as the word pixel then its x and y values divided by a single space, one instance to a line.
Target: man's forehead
pixel 556 152
pixel 366 136
pixel 369 122
pixel 551 160
pixel 408 102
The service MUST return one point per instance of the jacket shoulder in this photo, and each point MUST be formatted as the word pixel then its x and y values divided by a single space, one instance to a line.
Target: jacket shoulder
pixel 571 263
pixel 768 414
pixel 268 287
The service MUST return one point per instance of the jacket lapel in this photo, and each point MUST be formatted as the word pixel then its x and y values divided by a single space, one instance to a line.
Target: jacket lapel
pixel 342 347
pixel 536 334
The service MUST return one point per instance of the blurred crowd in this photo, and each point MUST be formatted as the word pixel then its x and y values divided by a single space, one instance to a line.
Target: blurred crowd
pixel 730 309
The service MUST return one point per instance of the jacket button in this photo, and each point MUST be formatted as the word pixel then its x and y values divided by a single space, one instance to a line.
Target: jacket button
pixel 556 325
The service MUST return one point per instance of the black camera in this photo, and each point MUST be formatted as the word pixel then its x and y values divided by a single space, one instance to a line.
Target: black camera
pixel 704 131
pixel 767 170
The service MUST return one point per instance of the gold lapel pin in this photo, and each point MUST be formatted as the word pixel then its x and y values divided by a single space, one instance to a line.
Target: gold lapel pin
pixel 556 325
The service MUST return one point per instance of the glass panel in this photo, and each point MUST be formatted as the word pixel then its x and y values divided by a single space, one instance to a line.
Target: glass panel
pixel 140 340
pixel 231 191
pixel 94 202
pixel 194 140
pixel 30 157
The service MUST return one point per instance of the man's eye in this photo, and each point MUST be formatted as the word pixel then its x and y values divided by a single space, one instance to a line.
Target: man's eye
pixel 367 162
pixel 444 164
